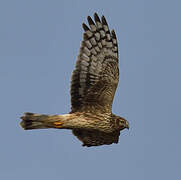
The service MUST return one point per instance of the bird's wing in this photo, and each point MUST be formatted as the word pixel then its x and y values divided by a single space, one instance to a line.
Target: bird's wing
pixel 96 74
pixel 96 138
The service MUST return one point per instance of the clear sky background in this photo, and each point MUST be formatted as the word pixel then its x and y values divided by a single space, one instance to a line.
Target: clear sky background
pixel 39 42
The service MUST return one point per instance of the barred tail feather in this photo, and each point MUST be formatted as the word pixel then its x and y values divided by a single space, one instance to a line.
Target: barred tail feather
pixel 39 121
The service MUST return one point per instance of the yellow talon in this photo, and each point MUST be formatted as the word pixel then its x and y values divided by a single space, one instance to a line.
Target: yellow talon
pixel 58 124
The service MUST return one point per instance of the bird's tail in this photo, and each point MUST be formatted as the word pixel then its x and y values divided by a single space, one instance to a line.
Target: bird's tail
pixel 40 121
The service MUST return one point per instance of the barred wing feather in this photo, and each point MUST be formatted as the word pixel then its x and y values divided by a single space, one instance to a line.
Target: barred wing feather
pixel 96 74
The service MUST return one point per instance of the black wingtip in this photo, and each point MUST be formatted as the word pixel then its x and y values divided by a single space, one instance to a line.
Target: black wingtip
pixel 113 34
pixel 104 22
pixel 85 27
pixel 96 17
pixel 90 21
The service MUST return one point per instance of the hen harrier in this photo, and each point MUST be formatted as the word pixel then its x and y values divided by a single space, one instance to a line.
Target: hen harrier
pixel 93 85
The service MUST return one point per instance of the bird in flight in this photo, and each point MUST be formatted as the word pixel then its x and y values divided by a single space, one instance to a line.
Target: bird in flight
pixel 93 86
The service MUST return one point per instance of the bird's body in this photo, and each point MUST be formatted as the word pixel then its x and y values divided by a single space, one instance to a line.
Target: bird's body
pixel 93 85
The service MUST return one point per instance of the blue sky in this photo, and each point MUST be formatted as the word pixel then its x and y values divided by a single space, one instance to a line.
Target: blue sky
pixel 39 42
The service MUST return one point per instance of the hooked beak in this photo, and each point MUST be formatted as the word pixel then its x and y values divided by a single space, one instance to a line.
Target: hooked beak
pixel 127 124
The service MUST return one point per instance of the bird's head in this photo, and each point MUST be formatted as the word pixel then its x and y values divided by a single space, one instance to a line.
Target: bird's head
pixel 122 123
